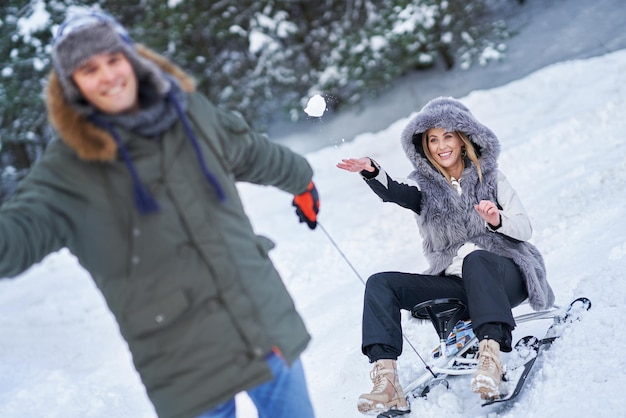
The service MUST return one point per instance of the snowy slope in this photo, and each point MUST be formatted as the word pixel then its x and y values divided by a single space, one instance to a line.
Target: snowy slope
pixel 564 151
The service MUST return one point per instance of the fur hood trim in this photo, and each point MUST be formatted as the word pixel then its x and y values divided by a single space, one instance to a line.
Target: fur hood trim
pixel 452 115
pixel 90 142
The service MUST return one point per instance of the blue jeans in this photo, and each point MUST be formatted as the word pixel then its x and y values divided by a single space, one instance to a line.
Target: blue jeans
pixel 286 396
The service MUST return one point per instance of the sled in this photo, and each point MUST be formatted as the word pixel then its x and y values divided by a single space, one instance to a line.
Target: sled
pixel 459 356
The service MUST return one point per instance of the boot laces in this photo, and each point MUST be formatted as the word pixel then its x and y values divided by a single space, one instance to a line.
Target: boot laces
pixel 488 361
pixel 378 378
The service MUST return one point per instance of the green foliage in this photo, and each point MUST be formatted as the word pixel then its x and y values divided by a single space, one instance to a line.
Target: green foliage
pixel 263 59
pixel 22 71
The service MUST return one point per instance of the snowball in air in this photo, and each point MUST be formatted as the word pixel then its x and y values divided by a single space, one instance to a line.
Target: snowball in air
pixel 316 106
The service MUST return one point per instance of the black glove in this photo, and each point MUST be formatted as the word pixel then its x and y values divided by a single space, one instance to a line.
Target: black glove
pixel 308 205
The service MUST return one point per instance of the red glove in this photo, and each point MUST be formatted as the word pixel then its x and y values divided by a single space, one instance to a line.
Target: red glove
pixel 308 205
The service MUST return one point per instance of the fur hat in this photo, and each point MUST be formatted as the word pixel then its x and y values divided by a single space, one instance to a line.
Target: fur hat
pixel 83 35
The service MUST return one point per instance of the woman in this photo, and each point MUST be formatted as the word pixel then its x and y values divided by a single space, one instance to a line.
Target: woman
pixel 141 189
pixel 475 232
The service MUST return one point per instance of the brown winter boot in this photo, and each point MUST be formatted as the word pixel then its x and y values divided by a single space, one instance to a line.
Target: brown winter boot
pixel 387 392
pixel 486 380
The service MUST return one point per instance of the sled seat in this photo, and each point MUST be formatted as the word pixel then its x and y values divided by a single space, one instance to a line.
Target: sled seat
pixel 443 313
pixel 450 318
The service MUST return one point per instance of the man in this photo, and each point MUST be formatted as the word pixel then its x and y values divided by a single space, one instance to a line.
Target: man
pixel 141 188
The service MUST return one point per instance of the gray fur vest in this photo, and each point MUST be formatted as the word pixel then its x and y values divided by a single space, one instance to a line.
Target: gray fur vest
pixel 448 220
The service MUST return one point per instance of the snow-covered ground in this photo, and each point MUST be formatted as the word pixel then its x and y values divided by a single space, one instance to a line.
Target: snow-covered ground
pixel 563 148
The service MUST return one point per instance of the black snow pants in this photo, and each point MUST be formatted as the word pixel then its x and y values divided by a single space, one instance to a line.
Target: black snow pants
pixel 491 286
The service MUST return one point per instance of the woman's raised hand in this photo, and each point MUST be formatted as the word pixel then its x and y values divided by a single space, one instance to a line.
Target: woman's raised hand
pixel 356 164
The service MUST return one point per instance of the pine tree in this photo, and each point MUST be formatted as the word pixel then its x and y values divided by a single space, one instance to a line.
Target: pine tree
pixel 263 59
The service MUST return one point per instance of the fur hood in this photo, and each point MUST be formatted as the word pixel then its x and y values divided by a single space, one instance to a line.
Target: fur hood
pixel 452 115
pixel 90 142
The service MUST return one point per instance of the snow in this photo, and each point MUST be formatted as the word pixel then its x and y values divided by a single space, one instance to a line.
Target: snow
pixel 37 20
pixel 174 3
pixel 316 106
pixel 258 40
pixel 563 149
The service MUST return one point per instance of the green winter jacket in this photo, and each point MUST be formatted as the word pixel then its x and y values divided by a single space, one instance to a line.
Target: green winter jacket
pixel 192 288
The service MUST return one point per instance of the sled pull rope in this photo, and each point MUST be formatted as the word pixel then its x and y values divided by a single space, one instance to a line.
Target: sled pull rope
pixel 332 241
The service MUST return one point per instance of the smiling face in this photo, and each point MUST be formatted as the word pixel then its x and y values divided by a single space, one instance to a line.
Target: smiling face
pixel 446 150
pixel 108 82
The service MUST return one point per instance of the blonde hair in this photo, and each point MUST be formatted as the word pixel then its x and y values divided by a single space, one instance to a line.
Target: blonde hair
pixel 470 153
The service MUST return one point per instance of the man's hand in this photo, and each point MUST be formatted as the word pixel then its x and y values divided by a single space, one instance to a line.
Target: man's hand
pixel 308 205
